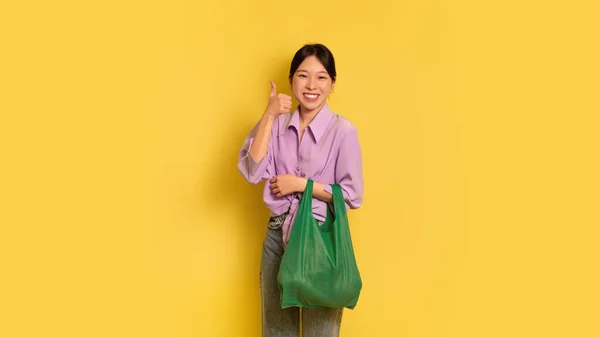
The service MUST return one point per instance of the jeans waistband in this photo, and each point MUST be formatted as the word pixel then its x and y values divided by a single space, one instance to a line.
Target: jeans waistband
pixel 277 220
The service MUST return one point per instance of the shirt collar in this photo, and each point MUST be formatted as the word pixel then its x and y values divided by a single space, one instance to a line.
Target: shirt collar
pixel 317 126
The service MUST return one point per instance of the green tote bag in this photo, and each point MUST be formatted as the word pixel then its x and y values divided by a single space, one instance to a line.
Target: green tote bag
pixel 318 268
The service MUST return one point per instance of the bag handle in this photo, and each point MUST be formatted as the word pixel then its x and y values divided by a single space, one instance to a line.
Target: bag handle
pixel 308 194
pixel 339 204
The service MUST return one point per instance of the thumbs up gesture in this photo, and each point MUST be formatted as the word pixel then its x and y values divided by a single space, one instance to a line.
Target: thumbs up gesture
pixel 279 104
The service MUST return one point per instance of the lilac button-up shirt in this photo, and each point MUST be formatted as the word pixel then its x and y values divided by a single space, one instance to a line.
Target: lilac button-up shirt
pixel 329 153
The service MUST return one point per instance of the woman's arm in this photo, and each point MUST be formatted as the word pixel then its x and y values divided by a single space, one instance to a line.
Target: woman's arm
pixel 260 144
pixel 278 105
pixel 254 160
pixel 320 193
pixel 254 171
pixel 349 170
pixel 285 184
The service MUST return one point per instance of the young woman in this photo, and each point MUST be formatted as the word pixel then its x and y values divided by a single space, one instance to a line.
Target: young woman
pixel 286 149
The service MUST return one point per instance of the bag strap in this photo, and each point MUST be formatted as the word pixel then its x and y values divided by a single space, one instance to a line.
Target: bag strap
pixel 339 204
pixel 307 196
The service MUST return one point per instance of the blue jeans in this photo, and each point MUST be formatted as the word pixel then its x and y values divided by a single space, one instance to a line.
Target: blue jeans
pixel 278 322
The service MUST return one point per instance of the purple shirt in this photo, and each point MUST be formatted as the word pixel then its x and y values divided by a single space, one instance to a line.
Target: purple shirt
pixel 329 153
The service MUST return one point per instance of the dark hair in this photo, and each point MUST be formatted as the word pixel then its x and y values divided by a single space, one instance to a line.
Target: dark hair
pixel 321 52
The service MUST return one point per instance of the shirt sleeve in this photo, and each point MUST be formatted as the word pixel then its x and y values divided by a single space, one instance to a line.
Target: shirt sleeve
pixel 253 171
pixel 349 171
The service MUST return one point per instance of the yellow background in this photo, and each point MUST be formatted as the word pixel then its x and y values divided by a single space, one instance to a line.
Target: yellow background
pixel 123 214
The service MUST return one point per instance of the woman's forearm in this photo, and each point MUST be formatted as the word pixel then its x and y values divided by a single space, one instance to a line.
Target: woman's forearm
pixel 320 193
pixel 318 190
pixel 260 145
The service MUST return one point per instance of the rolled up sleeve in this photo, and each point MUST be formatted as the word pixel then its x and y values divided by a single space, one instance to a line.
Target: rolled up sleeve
pixel 349 170
pixel 253 171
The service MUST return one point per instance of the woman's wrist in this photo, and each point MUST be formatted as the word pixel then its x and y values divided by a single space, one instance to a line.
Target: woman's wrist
pixel 269 116
pixel 302 184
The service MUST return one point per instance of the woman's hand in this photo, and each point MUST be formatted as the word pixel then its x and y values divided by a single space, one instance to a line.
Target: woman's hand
pixel 279 104
pixel 285 184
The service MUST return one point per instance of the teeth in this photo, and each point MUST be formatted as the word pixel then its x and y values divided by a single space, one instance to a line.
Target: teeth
pixel 310 96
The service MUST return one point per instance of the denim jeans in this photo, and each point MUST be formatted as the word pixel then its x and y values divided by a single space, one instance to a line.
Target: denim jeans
pixel 278 322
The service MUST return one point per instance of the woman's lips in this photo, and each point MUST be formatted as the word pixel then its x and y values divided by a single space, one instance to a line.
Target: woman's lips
pixel 311 97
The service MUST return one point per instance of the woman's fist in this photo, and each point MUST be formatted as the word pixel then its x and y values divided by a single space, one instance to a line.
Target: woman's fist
pixel 285 184
pixel 279 104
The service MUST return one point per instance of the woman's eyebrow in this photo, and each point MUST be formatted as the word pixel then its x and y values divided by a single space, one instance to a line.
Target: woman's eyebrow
pixel 306 71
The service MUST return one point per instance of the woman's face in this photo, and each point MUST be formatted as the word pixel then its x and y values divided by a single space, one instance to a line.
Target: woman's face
pixel 311 84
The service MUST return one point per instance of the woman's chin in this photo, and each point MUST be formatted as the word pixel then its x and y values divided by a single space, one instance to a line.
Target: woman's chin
pixel 311 106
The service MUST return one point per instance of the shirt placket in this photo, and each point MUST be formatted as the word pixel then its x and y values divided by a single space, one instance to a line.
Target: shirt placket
pixel 300 165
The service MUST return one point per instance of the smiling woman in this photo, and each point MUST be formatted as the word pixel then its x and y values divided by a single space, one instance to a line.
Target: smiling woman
pixel 312 63
pixel 279 150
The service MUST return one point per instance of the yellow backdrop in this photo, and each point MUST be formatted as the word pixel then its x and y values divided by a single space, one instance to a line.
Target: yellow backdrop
pixel 123 213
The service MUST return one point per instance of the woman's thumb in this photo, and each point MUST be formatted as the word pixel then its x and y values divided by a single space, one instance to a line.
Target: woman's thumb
pixel 273 89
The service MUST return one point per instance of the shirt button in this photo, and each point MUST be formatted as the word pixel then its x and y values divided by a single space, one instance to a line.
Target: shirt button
pixel 298 169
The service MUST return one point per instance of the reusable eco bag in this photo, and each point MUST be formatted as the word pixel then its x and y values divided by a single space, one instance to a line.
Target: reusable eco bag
pixel 318 268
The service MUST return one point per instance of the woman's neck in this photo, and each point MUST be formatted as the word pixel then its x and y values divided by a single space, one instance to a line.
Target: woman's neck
pixel 307 116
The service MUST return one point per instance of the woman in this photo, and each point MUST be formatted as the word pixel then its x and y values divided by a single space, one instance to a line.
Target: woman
pixel 287 149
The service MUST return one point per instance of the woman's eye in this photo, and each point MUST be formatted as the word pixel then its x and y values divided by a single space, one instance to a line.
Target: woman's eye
pixel 302 75
pixel 323 77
